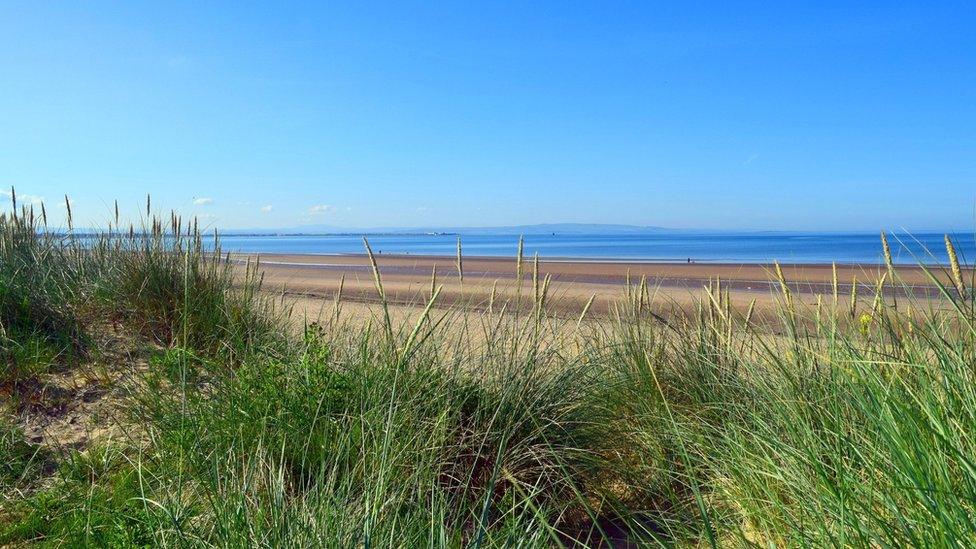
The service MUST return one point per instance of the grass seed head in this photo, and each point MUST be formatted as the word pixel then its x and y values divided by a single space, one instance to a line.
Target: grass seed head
pixel 955 267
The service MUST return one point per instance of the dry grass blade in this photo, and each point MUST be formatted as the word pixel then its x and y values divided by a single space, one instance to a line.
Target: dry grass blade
pixel 586 309
pixel 491 297
pixel 535 278
pixel 421 320
pixel 835 286
pixel 433 281
pixel 787 294
pixel 460 265
pixel 378 282
pixel 519 259
pixel 337 306
pixel 750 311
pixel 879 295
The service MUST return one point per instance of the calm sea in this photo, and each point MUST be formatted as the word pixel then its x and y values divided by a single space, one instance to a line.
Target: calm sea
pixel 699 247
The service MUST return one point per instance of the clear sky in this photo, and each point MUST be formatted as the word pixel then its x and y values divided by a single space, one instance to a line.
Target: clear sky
pixel 765 115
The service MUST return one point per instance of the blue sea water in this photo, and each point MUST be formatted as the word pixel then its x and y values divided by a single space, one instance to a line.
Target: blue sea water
pixel 677 247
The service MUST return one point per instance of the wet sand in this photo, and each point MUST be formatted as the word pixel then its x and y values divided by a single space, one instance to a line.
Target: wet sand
pixel 407 279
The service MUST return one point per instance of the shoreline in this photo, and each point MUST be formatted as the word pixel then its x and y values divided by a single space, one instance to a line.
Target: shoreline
pixel 582 259
pixel 506 266
pixel 407 278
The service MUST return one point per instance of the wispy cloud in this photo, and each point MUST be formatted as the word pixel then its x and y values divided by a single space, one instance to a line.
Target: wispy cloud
pixel 5 196
pixel 202 201
pixel 267 208
pixel 752 158
pixel 320 209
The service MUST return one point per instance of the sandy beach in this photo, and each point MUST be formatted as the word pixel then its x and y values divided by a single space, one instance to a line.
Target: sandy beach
pixel 407 279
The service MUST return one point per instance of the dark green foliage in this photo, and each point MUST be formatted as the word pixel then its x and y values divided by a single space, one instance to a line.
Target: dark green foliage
pixel 99 499
pixel 21 461
pixel 167 285
pixel 39 327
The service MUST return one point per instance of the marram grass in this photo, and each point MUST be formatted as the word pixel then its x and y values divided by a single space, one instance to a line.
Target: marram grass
pixel 797 426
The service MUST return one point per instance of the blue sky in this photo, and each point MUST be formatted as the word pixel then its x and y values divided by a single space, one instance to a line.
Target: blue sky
pixel 725 115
